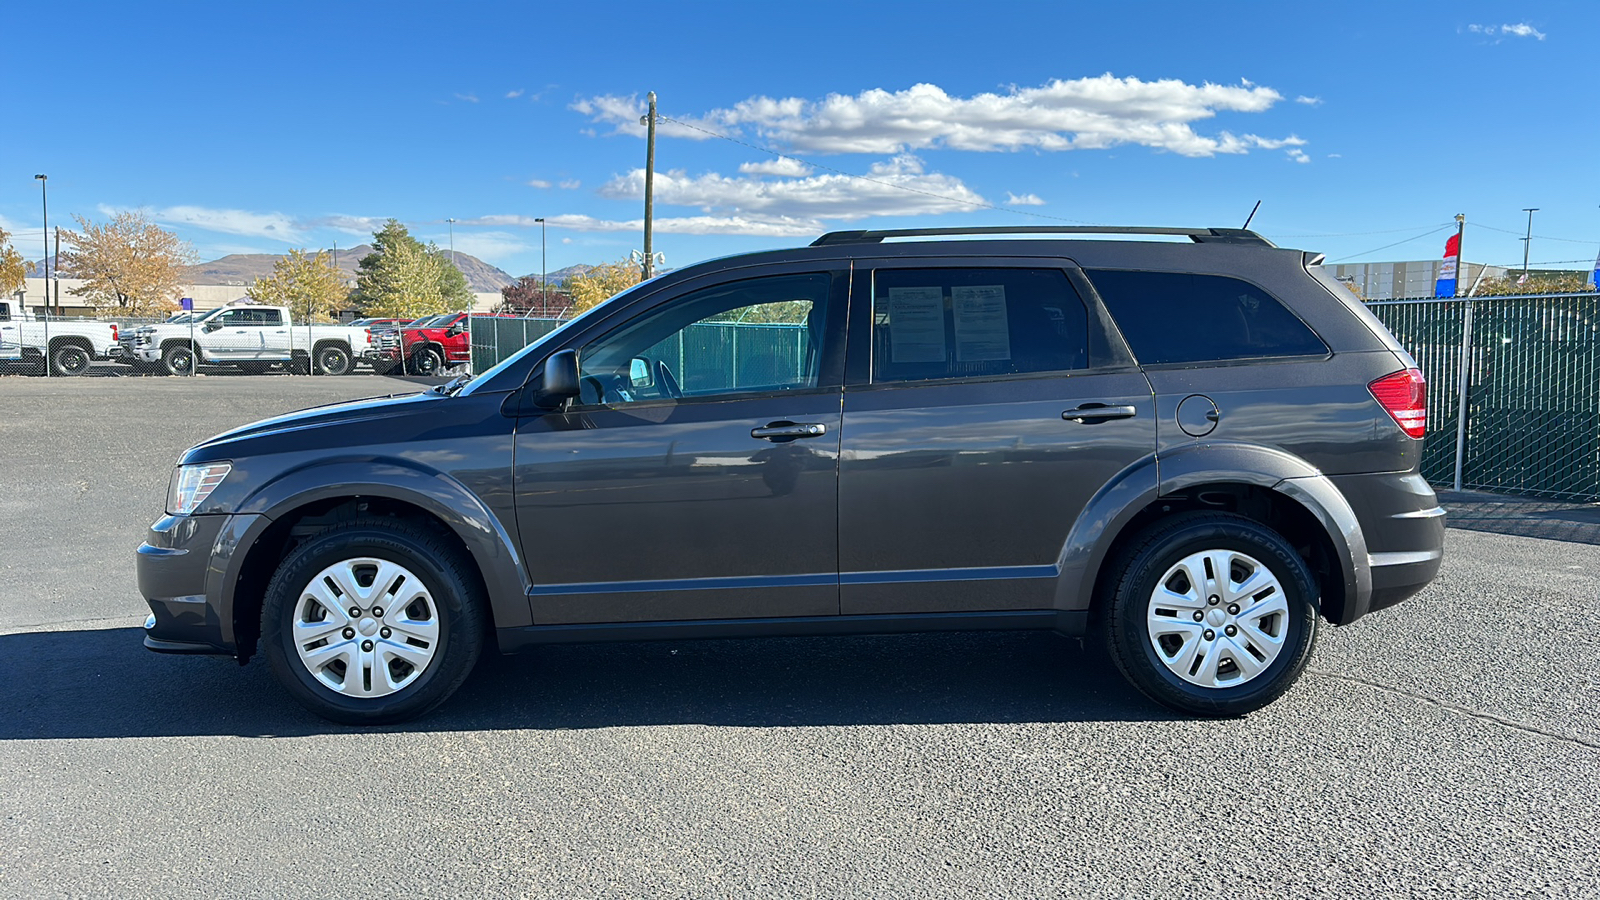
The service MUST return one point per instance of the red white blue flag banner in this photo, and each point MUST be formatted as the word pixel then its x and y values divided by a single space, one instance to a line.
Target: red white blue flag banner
pixel 1446 285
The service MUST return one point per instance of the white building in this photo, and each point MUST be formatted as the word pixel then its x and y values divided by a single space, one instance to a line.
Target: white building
pixel 1400 280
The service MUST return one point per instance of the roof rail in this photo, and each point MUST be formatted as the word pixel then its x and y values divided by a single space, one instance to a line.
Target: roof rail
pixel 1198 235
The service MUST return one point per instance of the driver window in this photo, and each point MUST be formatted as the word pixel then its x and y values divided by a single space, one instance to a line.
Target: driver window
pixel 753 336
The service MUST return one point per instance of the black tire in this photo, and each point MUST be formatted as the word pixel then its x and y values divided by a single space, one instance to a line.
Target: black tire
pixel 457 602
pixel 178 359
pixel 1139 572
pixel 426 361
pixel 69 359
pixel 333 359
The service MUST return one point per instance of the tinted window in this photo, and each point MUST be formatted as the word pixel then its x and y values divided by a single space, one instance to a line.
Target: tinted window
pixel 965 323
pixel 1171 317
pixel 749 336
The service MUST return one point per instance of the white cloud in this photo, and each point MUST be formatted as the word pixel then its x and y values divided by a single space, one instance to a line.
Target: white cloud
pixel 1299 156
pixel 512 95
pixel 1023 199
pixel 1521 29
pixel 763 225
pixel 1308 101
pixel 782 166
pixel 895 187
pixel 570 184
pixel 469 98
pixel 487 245
pixel 362 225
pixel 1336 156
pixel 1084 113
pixel 624 113
pixel 275 226
pixel 538 183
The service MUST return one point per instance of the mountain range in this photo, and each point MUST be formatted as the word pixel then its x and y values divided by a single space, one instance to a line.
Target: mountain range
pixel 244 268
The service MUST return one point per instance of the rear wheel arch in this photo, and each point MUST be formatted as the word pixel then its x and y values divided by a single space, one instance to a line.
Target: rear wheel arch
pixel 1285 514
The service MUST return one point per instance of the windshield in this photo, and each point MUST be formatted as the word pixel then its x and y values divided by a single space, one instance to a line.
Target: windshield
pixel 428 321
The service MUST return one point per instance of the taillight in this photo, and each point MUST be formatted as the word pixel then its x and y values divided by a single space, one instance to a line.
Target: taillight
pixel 1405 396
pixel 113 332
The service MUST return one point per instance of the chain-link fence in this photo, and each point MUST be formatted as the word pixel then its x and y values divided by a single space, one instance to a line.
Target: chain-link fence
pixel 1513 390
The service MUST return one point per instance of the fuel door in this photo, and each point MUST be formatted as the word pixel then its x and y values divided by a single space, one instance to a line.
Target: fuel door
pixel 1198 415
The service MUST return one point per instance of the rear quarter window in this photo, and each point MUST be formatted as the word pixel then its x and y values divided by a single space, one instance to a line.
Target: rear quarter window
pixel 1174 317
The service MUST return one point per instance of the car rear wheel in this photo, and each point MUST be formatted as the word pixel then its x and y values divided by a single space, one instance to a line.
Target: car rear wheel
pixel 69 359
pixel 333 360
pixel 1212 614
pixel 373 621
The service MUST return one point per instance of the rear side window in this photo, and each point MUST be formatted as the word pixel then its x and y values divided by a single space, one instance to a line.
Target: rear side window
pixel 967 323
pixel 1172 317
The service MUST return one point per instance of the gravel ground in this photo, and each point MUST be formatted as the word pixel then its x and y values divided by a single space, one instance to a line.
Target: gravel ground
pixel 1448 747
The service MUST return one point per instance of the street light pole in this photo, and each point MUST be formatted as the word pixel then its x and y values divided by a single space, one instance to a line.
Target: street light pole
pixel 544 276
pixel 44 265
pixel 1527 242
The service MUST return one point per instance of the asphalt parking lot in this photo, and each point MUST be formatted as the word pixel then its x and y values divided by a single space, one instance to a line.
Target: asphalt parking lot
pixel 1447 747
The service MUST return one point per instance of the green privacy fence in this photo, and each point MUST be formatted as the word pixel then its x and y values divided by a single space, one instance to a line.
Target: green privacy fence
pixel 702 356
pixel 1526 371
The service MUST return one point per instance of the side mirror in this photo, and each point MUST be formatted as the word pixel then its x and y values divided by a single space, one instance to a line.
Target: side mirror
pixel 211 326
pixel 639 373
pixel 560 376
pixel 456 329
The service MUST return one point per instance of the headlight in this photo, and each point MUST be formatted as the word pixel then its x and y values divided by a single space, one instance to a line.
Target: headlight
pixel 191 485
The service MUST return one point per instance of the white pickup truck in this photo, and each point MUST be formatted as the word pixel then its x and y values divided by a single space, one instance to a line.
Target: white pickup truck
pixel 26 341
pixel 249 337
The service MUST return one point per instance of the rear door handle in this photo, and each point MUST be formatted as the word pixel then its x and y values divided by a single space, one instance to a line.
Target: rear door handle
pixel 1097 413
pixel 788 431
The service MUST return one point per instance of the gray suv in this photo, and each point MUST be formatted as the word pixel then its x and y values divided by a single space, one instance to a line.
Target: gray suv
pixel 1191 451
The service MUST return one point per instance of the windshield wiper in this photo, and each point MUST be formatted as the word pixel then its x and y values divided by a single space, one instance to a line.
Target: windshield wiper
pixel 455 384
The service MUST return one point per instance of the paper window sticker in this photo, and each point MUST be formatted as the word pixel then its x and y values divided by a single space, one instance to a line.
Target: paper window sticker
pixel 916 325
pixel 983 332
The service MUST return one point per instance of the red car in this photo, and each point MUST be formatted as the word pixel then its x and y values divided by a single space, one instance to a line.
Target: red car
pixel 424 347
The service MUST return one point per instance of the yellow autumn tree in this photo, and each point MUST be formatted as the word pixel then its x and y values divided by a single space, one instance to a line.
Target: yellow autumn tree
pixel 130 266
pixel 599 284
pixel 405 281
pixel 311 286
pixel 13 268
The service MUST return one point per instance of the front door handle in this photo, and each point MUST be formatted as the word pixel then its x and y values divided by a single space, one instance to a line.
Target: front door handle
pixel 1097 413
pixel 788 431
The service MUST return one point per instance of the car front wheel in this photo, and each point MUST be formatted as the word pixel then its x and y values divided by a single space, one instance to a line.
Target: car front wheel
pixel 372 621
pixel 1212 614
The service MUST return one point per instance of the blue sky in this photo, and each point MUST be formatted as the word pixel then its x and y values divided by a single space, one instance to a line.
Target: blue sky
pixel 255 128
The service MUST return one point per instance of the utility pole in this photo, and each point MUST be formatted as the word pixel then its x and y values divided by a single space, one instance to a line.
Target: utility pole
pixel 1526 243
pixel 58 271
pixel 649 122
pixel 1461 259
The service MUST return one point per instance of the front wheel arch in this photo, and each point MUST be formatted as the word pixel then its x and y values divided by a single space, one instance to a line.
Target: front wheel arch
pixel 292 526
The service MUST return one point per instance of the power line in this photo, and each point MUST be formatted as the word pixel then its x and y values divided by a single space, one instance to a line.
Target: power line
pixel 888 184
pixel 1350 233
pixel 1398 243
pixel 1541 237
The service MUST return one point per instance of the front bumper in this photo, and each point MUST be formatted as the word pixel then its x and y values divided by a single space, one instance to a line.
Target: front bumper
pixel 180 573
